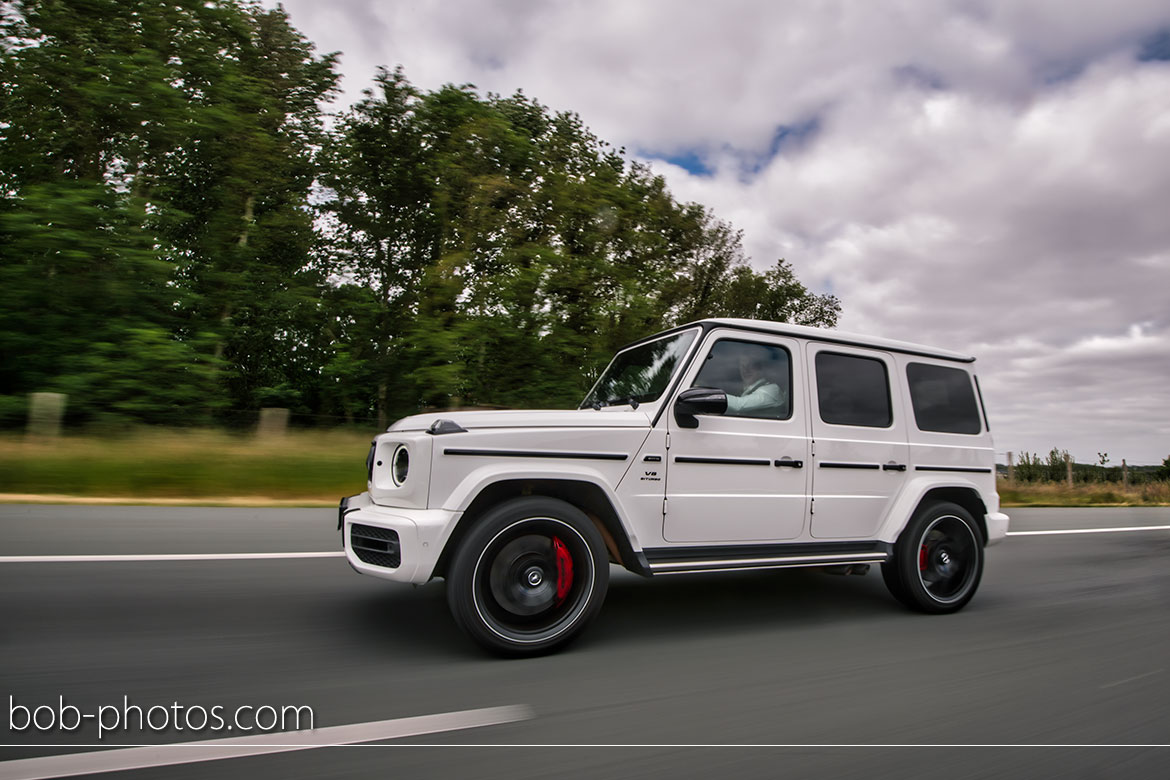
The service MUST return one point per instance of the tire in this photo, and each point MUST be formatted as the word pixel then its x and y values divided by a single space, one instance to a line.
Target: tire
pixel 938 560
pixel 529 576
pixel 893 581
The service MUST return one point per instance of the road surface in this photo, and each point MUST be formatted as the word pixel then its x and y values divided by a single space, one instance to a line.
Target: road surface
pixel 1066 643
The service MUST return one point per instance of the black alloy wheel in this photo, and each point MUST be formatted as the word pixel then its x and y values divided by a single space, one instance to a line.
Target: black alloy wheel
pixel 938 560
pixel 528 577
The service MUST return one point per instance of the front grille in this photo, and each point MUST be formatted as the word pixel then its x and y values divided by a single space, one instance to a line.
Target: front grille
pixel 376 546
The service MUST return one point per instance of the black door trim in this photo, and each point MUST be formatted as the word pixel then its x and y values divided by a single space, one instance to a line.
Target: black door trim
pixel 535 454
pixel 723 461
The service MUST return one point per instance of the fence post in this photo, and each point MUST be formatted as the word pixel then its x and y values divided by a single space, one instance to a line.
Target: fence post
pixel 1011 467
pixel 1124 474
pixel 1068 467
pixel 45 411
pixel 273 422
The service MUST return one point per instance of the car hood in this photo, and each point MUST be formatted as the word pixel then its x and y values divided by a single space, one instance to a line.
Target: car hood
pixel 613 417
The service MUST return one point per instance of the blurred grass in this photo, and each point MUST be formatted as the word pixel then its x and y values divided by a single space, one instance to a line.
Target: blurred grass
pixel 311 467
pixel 1091 494
pixel 308 466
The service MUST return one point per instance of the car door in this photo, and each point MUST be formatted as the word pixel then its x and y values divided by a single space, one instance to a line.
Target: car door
pixel 859 444
pixel 741 476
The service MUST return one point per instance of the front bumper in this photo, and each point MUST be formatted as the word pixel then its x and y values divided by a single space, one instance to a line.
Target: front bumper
pixel 997 527
pixel 420 535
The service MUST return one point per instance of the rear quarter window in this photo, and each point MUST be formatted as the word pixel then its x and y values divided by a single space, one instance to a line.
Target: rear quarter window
pixel 853 390
pixel 943 399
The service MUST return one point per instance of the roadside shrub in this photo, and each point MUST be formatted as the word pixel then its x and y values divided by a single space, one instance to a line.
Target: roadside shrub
pixel 1156 492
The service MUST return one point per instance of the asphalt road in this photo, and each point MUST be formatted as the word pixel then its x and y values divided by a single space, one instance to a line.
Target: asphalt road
pixel 1066 643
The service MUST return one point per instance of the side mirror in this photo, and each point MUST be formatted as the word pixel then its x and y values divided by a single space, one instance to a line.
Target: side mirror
pixel 698 400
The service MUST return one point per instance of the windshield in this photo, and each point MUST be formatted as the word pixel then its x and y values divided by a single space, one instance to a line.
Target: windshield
pixel 640 374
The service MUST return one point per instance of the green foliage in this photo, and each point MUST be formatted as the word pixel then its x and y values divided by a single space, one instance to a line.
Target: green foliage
pixel 145 375
pixel 157 162
pixel 1032 469
pixel 1029 468
pixel 510 251
pixel 78 275
pixel 161 259
pixel 13 410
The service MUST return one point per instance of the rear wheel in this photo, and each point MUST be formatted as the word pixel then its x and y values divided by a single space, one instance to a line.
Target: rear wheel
pixel 528 577
pixel 938 560
pixel 893 580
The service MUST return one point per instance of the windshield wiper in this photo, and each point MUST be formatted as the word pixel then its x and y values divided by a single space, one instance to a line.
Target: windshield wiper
pixel 597 404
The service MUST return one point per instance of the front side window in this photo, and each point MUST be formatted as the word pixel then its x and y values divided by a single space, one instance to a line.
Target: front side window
pixel 853 390
pixel 756 377
pixel 640 374
pixel 943 399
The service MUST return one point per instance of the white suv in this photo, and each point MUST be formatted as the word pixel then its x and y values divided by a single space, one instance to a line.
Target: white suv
pixel 720 445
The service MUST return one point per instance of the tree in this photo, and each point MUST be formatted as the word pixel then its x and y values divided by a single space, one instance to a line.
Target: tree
pixel 157 160
pixel 1057 465
pixel 382 234
pixel 80 283
pixel 509 251
pixel 234 202
pixel 78 120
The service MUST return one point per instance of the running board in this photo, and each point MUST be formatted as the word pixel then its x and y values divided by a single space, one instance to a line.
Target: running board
pixel 687 560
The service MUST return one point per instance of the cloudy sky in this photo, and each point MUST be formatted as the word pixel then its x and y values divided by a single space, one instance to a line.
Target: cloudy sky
pixel 990 177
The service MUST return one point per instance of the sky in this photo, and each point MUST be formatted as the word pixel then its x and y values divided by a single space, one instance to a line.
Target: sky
pixel 991 177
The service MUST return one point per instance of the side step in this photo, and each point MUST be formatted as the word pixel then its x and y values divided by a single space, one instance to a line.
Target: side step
pixel 687 560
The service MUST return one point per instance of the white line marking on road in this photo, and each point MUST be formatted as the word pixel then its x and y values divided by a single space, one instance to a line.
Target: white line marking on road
pixel 1091 530
pixel 120 760
pixel 1132 679
pixel 175 557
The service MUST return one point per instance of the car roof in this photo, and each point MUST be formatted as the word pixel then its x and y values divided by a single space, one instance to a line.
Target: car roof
pixel 817 334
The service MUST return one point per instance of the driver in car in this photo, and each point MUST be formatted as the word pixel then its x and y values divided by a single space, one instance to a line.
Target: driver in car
pixel 760 397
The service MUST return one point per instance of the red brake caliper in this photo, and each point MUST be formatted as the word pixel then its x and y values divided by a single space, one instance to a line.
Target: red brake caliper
pixel 564 570
pixel 922 558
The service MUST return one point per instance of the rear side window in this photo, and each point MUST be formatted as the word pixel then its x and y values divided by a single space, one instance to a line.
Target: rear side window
pixel 853 390
pixel 943 399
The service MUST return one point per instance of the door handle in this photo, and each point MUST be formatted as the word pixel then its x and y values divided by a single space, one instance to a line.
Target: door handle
pixel 891 466
pixel 789 463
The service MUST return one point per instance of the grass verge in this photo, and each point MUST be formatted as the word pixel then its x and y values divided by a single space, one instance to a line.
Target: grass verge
pixel 1092 494
pixel 199 466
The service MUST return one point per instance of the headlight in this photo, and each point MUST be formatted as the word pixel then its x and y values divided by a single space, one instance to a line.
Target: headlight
pixel 400 465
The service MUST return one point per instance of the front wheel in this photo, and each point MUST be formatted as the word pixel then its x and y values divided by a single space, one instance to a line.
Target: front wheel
pixel 528 577
pixel 938 560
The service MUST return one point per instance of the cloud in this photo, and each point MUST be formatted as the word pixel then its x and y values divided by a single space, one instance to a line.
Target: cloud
pixel 969 220
pixel 987 176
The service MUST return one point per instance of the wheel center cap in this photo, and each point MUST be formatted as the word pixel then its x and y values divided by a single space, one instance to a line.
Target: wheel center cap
pixel 945 557
pixel 534 576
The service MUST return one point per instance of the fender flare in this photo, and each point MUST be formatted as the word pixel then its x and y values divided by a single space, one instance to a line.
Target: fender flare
pixel 917 490
pixel 508 481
